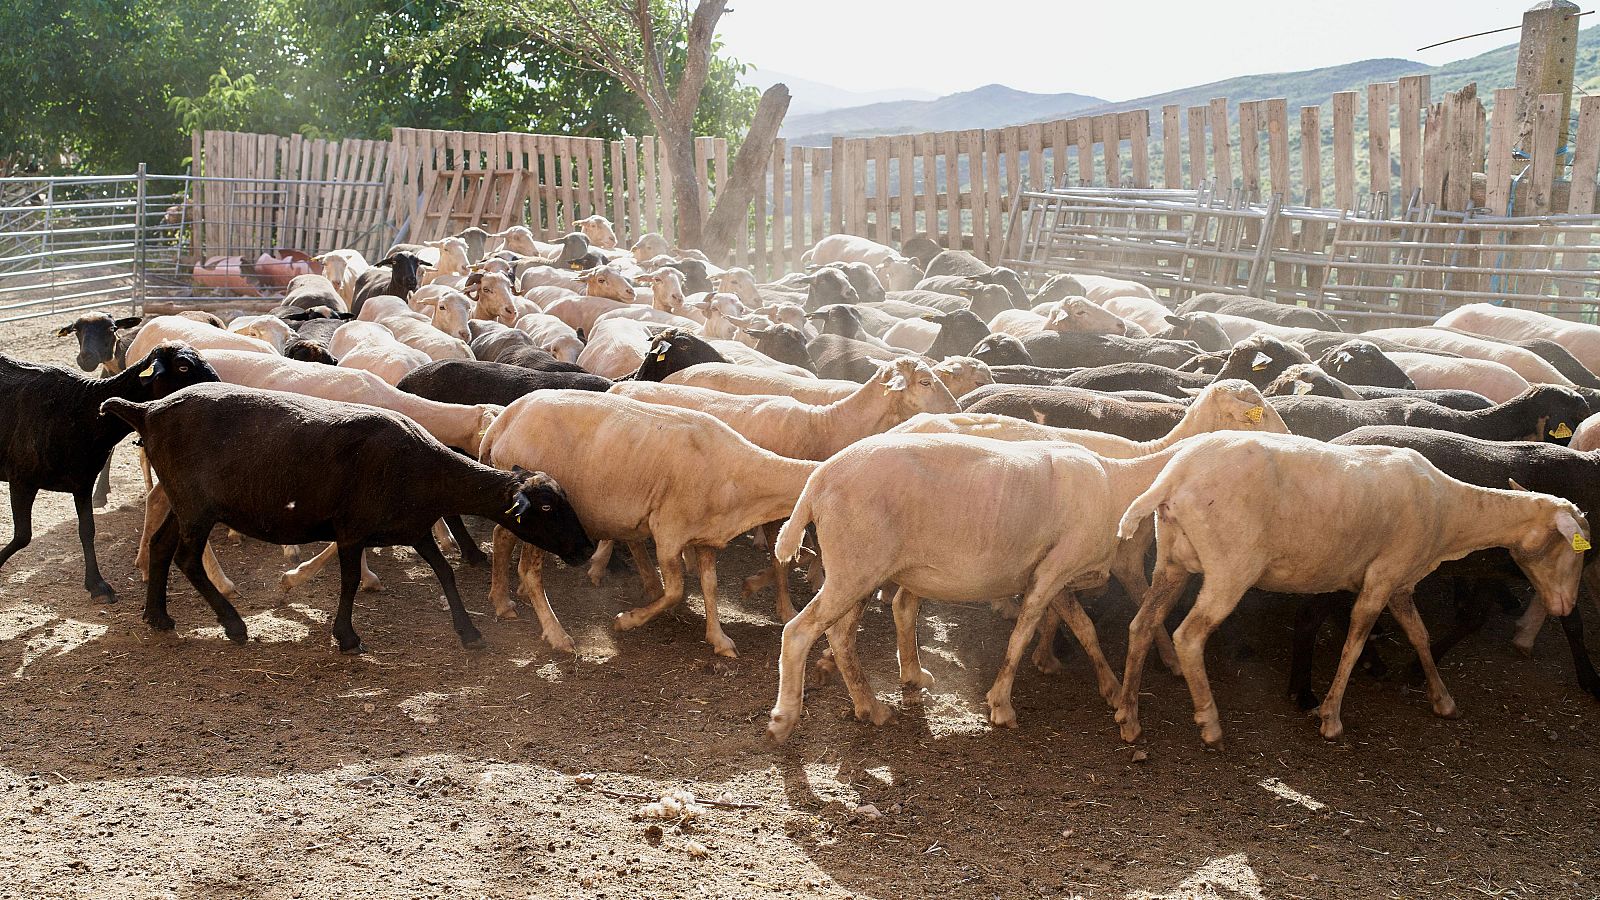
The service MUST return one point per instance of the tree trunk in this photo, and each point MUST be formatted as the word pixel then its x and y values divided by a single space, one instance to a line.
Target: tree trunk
pixel 748 175
pixel 686 184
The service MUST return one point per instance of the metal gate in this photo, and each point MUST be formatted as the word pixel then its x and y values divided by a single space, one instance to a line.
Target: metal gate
pixel 69 244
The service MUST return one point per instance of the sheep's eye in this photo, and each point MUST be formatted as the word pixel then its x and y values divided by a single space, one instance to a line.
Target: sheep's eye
pixel 925 383
pixel 183 368
pixel 544 507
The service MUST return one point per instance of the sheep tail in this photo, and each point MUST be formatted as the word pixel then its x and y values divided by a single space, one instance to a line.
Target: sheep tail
pixel 1145 504
pixel 794 530
pixel 126 410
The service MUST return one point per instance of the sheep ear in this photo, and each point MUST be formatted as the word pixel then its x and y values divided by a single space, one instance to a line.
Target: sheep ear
pixel 128 322
pixel 67 329
pixel 1571 531
pixel 581 335
pixel 1514 485
pixel 1176 321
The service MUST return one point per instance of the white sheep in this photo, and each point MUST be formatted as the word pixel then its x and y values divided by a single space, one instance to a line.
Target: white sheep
pixel 898 273
pixel 1430 371
pixel 552 335
pixel 1531 366
pixel 634 472
pixel 1509 323
pixel 372 347
pixel 1294 515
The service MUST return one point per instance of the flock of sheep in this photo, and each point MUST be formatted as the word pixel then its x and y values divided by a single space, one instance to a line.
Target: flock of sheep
pixel 913 422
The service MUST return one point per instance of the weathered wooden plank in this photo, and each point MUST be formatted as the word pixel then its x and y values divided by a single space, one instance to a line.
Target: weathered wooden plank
pixel 1586 158
pixel 1378 160
pixel 1171 146
pixel 1499 167
pixel 1414 100
pixel 950 146
pixel 1221 147
pixel 994 224
pixel 1249 150
pixel 1109 132
pixel 907 184
pixel 1139 144
pixel 1311 154
pixel 1277 115
pixel 1344 149
pixel 1197 146
pixel 1548 125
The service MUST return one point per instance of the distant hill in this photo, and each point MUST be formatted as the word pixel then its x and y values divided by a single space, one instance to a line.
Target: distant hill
pixel 807 96
pixel 996 105
pixel 991 106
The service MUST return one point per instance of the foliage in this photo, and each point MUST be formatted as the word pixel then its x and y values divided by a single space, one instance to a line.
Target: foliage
pixel 101 85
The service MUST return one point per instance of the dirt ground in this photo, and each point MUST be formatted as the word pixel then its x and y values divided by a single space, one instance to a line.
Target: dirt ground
pixel 147 765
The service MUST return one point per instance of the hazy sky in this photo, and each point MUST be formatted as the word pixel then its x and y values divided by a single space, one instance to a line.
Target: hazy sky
pixel 1113 50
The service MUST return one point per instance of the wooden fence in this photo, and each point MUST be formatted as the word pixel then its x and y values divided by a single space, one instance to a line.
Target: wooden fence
pixel 259 191
pixel 1412 153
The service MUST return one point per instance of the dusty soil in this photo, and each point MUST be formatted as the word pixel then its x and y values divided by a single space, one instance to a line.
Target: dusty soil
pixel 138 764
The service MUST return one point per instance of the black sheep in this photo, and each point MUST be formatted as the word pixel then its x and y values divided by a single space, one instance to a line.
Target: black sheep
pixel 848 359
pixel 861 277
pixel 514 347
pixel 874 319
pixel 842 319
pixel 1065 407
pixel 922 248
pixel 931 299
pixel 1135 376
pixel 1287 315
pixel 310 291
pixel 784 343
pixel 826 286
pixel 1259 359
pixel 102 343
pixel 473 381
pixel 1359 362
pixel 379 481
pixel 1196 328
pixel 53 437
pixel 1062 351
pixel 1005 350
pixel 673 350
pixel 1535 413
pixel 1454 398
pixel 395 275
pixel 959 332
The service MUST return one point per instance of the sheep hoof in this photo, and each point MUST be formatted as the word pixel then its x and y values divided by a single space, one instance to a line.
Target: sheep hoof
pixel 508 611
pixel 779 729
pixel 103 594
pixel 476 642
pixel 877 714
pixel 236 631
pixel 921 680
pixel 1002 715
pixel 1525 648
pixel 160 623
pixel 627 621
pixel 1332 729
pixel 286 584
pixel 725 647
pixel 1049 663
pixel 560 642
pixel 1211 736
pixel 1307 700
pixel 1445 708
pixel 373 586
pixel 355 649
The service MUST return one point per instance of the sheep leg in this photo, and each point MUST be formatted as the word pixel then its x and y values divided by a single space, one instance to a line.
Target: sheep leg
pixel 102 486
pixel 842 641
pixel 442 537
pixel 531 571
pixel 1529 626
pixel 1308 621
pixel 1217 600
pixel 307 570
pixel 191 562
pixel 907 648
pixel 1034 604
pixel 1368 605
pixel 1405 612
pixel 156 507
pixel 1471 597
pixel 670 559
pixel 708 590
pixel 208 558
pixel 833 601
pixel 22 497
pixel 1065 607
pixel 1572 628
pixel 144 469
pixel 1164 591
pixel 640 552
pixel 470 637
pixel 505 544
pixel 1044 650
pixel 344 631
pixel 471 554
pixel 99 590
pixel 600 560
pixel 163 546
pixel 1128 569
pixel 291 552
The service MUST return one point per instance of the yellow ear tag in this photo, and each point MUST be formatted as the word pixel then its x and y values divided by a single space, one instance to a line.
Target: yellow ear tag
pixel 1561 431
pixel 511 510
pixel 1254 414
pixel 661 357
pixel 1579 543
pixel 148 371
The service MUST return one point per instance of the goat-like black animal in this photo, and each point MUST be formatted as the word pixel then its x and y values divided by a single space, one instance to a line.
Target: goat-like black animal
pixel 473 381
pixel 1534 413
pixel 395 274
pixel 53 437
pixel 380 480
pixel 1069 407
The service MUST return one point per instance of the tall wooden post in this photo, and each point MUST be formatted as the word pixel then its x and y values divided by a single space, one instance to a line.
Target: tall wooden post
pixel 1545 62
